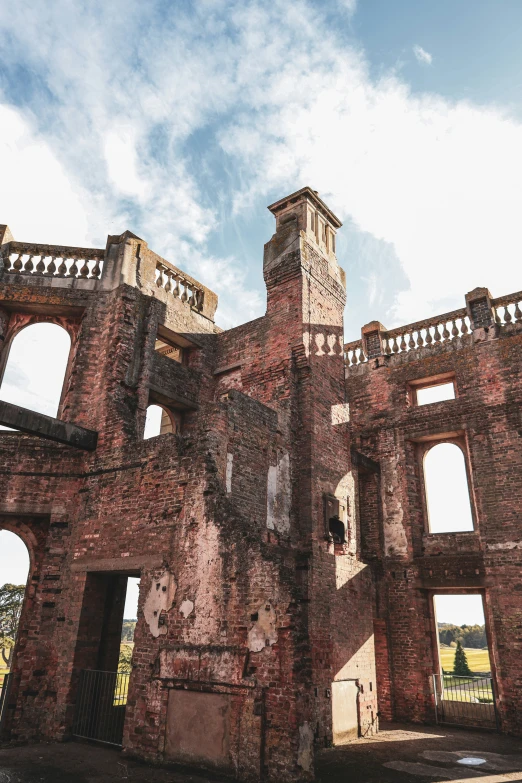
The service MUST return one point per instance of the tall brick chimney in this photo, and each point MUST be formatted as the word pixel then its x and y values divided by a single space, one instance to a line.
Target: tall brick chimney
pixel 303 223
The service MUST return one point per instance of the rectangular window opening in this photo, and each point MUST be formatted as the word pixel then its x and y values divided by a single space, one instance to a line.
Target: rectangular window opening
pixel 464 685
pixel 429 390
pixel 166 348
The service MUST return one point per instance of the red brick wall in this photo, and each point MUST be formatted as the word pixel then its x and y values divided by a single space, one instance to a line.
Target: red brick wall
pixel 227 516
pixel 414 564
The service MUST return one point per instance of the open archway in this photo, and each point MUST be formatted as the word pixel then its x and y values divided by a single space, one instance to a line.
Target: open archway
pixel 35 368
pixel 447 489
pixel 14 570
pixel 159 421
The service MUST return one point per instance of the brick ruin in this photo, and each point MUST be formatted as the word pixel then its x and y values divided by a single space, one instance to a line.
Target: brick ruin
pixel 278 524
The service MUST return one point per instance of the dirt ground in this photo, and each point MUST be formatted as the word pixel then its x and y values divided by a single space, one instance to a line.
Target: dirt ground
pixel 400 754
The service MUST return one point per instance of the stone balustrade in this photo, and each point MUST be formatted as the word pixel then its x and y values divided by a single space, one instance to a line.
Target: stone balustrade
pixel 506 309
pixel 126 260
pixel 174 282
pixel 354 354
pixel 428 332
pixel 26 258
pixel 481 312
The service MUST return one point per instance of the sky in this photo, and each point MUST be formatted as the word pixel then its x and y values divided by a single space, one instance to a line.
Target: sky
pixel 181 121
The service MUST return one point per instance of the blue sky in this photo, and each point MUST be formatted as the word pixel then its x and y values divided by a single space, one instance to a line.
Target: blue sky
pixel 182 120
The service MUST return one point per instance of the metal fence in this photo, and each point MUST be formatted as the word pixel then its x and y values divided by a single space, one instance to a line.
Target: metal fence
pixel 465 701
pixel 100 706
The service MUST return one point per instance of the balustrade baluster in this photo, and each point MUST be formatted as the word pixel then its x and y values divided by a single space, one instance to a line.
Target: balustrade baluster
pixel 40 266
pixel 507 315
pixel 463 326
pixel 184 295
pixel 518 313
pixel 498 320
pixel 84 271
pixel 62 269
pixel 437 334
pixel 51 267
pixel 445 333
pixel 96 270
pixel 175 290
pixel 17 266
pixel 411 341
pixel 168 284
pixel 429 338
pixel 192 298
pixel 420 339
pixel 73 269
pixel 29 266
pixel 7 262
pixel 159 280
pixel 403 345
pixel 455 329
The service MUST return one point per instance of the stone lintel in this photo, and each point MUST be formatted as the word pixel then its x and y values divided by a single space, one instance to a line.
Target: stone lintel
pixel 46 427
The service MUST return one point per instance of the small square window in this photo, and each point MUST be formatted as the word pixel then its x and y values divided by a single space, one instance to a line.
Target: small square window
pixel 169 349
pixel 438 388
pixel 438 393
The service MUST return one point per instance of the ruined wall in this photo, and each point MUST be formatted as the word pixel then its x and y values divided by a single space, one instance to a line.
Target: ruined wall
pixel 410 563
pixel 248 612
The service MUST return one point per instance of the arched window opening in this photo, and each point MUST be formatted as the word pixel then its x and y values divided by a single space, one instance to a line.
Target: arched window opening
pixel 447 490
pixel 14 568
pixel 160 421
pixel 36 367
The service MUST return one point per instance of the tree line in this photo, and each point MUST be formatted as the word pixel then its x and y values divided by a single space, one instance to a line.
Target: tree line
pixel 468 635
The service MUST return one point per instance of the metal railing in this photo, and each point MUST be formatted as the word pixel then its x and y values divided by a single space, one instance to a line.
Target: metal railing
pixel 100 706
pixel 465 701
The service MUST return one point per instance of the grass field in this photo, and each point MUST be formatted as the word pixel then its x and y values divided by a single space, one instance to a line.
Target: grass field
pixel 478 660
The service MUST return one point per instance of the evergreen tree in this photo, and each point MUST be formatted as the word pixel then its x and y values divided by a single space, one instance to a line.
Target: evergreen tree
pixel 460 665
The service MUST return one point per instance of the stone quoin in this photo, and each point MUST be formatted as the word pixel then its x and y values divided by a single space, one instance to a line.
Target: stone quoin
pixel 278 524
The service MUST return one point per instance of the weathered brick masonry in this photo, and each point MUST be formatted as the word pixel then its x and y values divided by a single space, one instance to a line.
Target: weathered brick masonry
pixel 250 616
pixel 479 348
pixel 277 532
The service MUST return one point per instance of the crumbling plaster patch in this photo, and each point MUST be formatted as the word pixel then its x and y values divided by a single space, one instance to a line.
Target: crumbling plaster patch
pixel 264 631
pixel 305 755
pixel 395 541
pixel 202 570
pixel 186 608
pixel 340 413
pixel 279 495
pixel 228 476
pixel 159 599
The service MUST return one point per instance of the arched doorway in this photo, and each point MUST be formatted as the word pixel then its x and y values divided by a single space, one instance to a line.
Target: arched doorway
pixel 14 571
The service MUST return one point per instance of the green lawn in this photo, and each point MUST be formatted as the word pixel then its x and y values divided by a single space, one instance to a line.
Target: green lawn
pixel 478 660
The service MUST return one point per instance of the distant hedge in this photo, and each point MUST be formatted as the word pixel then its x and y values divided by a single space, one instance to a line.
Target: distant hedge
pixel 467 635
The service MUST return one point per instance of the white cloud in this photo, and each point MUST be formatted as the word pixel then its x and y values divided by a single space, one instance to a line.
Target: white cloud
pixel 435 180
pixel 423 57
pixel 121 159
pixel 348 5
pixel 37 199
